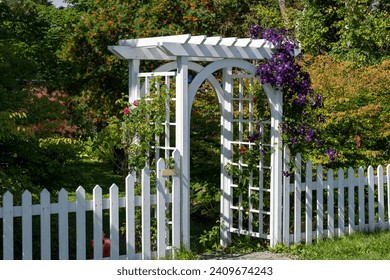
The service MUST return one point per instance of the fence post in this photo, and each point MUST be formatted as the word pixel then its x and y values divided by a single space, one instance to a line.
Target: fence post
pixel 27 226
pixel 80 224
pixel 63 236
pixel 320 202
pixel 388 193
pixel 297 199
pixel 161 228
pixel 145 216
pixel 286 196
pixel 309 203
pixel 45 225
pixel 371 201
pixel 330 205
pixel 130 218
pixel 340 208
pixel 176 203
pixel 114 222
pixel 97 223
pixel 351 200
pixel 381 195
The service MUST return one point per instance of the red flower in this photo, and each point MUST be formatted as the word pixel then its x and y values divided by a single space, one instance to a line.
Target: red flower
pixel 135 102
pixel 242 150
pixel 126 111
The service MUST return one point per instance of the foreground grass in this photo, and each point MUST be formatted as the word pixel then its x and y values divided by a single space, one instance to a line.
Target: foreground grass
pixel 358 246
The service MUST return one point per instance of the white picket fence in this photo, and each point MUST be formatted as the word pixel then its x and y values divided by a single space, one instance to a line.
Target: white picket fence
pixel 333 205
pixel 150 205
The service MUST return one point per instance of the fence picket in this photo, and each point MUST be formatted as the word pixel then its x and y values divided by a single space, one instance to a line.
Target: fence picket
pixel 161 229
pixel 8 226
pixel 146 249
pixel 97 223
pixel 351 200
pixel 63 237
pixel 286 197
pixel 45 225
pixel 297 199
pixel 114 222
pixel 381 198
pixel 330 206
pixel 320 202
pixel 176 205
pixel 27 248
pixel 371 202
pixel 340 203
pixel 80 224
pixel 388 194
pixel 130 218
pixel 309 203
pixel 361 183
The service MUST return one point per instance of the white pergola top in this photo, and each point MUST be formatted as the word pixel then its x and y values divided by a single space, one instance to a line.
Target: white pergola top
pixel 196 48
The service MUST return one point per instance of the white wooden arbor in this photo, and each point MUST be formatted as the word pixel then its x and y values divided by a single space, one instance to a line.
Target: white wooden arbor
pixel 182 54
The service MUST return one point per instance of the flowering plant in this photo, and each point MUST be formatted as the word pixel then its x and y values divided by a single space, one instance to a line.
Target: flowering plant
pixel 301 118
pixel 141 126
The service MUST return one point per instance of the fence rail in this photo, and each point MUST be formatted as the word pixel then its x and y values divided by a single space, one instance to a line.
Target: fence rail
pixel 151 206
pixel 334 203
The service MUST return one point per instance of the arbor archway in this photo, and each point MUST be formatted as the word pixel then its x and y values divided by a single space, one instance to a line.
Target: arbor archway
pixel 220 54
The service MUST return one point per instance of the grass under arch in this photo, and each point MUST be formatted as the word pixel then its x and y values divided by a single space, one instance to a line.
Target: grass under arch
pixel 357 246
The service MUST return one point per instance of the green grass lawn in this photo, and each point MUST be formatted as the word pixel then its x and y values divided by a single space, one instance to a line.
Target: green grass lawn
pixel 358 246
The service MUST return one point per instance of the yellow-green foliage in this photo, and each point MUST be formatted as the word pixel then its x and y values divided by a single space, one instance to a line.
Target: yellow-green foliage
pixel 357 108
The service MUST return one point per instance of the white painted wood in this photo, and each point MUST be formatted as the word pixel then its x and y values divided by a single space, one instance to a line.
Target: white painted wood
pixel 381 197
pixel 297 199
pixel 27 246
pixel 371 201
pixel 114 222
pixel 351 200
pixel 330 206
pixel 8 226
pixel 45 225
pixel 183 144
pixel 63 225
pixel 361 183
pixel 309 203
pixel 320 202
pixel 130 218
pixel 80 224
pixel 145 216
pixel 161 217
pixel 341 210
pixel 176 203
pixel 97 223
pixel 388 194
pixel 154 41
pixel 286 197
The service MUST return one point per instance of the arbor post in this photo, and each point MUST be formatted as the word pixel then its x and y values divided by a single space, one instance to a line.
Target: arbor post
pixel 275 96
pixel 183 144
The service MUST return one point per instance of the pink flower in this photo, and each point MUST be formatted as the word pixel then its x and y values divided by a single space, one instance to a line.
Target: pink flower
pixel 135 102
pixel 126 111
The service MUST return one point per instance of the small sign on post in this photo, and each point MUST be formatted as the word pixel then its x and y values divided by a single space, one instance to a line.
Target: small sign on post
pixel 168 172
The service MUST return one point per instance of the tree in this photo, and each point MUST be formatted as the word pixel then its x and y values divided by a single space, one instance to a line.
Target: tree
pixel 350 30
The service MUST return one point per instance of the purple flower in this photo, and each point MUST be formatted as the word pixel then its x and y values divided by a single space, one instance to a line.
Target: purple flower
pixel 332 154
pixel 320 118
pixel 310 135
